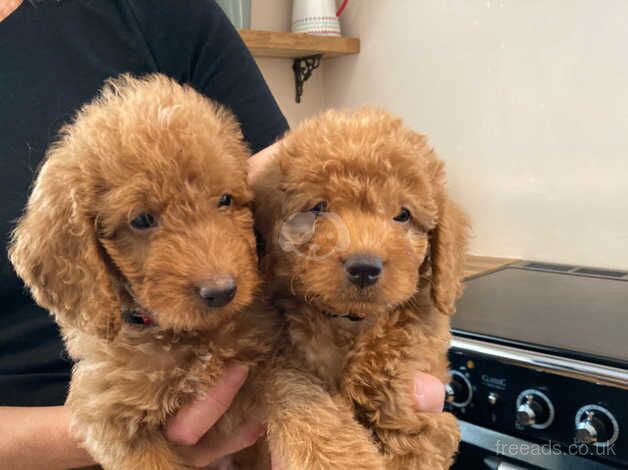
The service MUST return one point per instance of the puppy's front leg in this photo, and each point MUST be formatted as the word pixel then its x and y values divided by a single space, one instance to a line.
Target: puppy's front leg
pixel 408 439
pixel 378 382
pixel 118 436
pixel 113 452
pixel 310 430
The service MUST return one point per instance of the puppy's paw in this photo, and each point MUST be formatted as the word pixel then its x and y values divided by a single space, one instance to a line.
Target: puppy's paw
pixel 152 458
pixel 433 447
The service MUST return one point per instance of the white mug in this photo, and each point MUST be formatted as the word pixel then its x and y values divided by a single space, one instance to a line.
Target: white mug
pixel 316 17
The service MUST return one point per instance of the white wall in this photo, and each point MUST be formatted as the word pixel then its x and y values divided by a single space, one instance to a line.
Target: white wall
pixel 274 15
pixel 526 100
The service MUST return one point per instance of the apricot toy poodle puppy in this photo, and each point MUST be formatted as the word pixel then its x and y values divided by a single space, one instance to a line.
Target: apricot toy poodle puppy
pixel 138 237
pixel 364 251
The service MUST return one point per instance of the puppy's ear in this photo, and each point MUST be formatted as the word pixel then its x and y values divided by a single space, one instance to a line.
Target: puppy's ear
pixel 55 250
pixel 448 246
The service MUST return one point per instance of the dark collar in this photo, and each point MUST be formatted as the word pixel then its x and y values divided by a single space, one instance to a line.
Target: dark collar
pixel 348 316
pixel 137 316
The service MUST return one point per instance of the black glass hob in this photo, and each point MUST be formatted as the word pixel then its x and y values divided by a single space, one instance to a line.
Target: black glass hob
pixel 564 310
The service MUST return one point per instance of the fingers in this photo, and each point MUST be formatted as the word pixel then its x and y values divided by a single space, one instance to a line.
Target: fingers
pixel 195 419
pixel 429 393
pixel 210 450
pixel 188 428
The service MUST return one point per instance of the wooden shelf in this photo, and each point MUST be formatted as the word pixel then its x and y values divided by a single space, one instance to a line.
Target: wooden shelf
pixel 294 46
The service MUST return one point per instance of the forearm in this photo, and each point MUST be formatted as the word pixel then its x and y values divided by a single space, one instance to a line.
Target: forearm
pixel 39 437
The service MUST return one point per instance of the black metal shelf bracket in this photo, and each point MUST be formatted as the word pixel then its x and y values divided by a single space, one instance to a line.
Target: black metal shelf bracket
pixel 303 68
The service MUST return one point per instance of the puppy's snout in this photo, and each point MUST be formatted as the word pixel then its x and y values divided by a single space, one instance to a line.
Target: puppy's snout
pixel 218 291
pixel 363 270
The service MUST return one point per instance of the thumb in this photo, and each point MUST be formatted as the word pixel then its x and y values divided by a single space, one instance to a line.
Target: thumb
pixel 429 393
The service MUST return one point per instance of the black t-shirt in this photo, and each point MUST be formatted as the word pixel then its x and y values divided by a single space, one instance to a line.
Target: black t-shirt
pixel 54 57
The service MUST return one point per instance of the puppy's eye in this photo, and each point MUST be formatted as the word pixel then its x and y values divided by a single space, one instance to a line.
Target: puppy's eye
pixel 320 207
pixel 225 200
pixel 143 221
pixel 403 216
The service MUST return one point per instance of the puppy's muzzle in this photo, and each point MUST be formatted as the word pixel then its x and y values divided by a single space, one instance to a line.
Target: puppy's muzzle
pixel 363 270
pixel 218 291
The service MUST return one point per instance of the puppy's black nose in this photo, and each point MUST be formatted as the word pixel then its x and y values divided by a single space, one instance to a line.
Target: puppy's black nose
pixel 218 291
pixel 363 270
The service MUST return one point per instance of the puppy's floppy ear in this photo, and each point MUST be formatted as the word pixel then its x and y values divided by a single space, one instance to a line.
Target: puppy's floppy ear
pixel 448 246
pixel 55 249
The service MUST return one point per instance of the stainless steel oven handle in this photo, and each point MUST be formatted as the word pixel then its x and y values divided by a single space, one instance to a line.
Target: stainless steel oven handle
pixel 573 368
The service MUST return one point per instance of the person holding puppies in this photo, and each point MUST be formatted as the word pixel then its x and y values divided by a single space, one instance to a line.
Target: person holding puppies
pixel 54 56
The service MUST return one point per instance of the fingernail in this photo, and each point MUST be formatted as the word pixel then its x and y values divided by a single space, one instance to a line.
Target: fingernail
pixel 429 393
pixel 260 430
pixel 236 375
pixel 419 393
pixel 253 431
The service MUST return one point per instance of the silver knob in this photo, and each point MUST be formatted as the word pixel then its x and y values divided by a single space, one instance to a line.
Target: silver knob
pixel 595 425
pixel 459 390
pixel 526 414
pixel 586 432
pixel 450 395
pixel 534 409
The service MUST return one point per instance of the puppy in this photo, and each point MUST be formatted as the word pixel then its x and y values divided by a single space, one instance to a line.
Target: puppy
pixel 365 258
pixel 138 237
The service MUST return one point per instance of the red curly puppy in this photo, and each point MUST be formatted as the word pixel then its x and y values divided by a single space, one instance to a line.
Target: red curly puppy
pixel 365 254
pixel 138 237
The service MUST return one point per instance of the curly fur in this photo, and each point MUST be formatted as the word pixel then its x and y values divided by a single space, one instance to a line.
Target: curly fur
pixel 145 145
pixel 366 166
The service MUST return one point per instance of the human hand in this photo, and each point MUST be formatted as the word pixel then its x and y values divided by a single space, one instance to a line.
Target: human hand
pixel 188 428
pixel 258 162
pixel 428 393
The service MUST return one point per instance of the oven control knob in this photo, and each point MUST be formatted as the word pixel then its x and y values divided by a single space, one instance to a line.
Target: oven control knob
pixel 595 425
pixel 529 412
pixel 459 391
pixel 534 409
